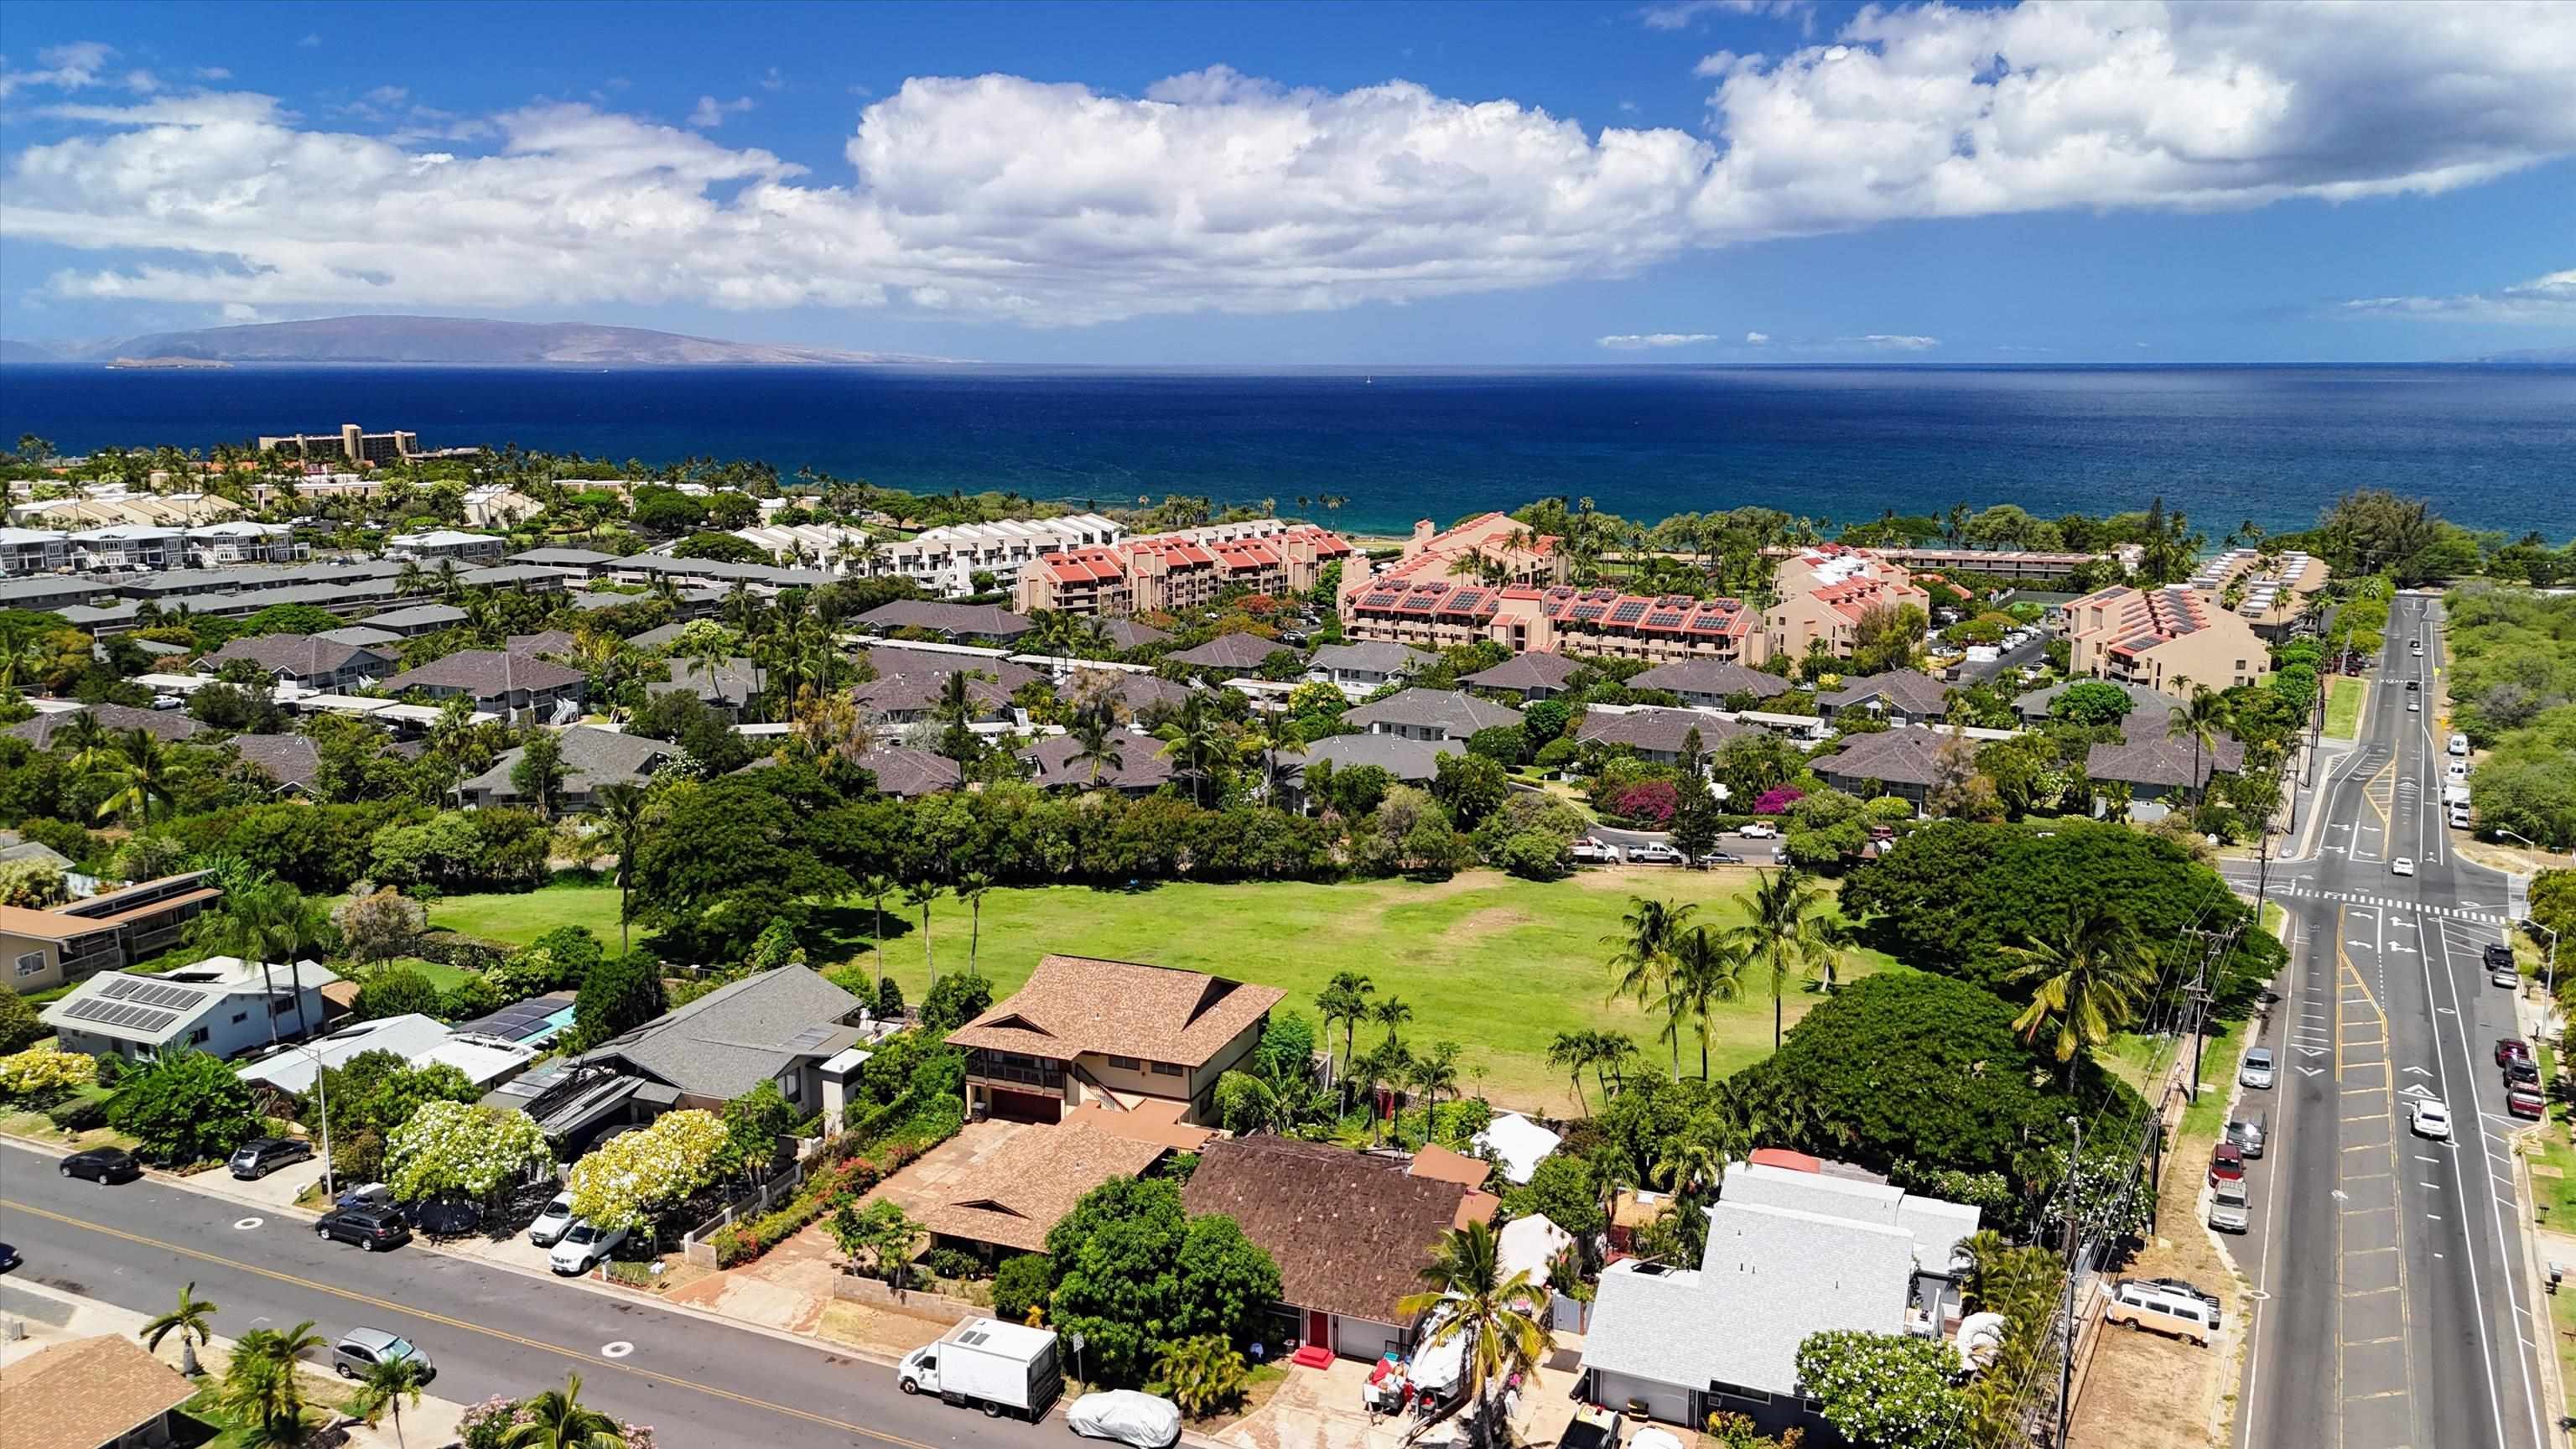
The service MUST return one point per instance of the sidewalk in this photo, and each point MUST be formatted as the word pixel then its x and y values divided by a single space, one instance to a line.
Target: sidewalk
pixel 53 1317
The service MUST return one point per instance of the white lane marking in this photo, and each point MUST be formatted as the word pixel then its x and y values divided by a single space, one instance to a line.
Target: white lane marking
pixel 620 1349
pixel 246 1224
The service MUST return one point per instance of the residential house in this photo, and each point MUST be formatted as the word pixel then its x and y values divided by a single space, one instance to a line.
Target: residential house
pixel 911 698
pixel 449 543
pixel 422 1041
pixel 222 1005
pixel 1432 714
pixel 1008 1195
pixel 543 642
pixel 1350 1231
pixel 2171 639
pixel 2158 767
pixel 954 621
pixel 1710 683
pixel 1410 761
pixel 495 679
pixel 1232 653
pixel 166 725
pixel 306 662
pixel 585 563
pixel 728 685
pixel 593 759
pixel 1898 696
pixel 1125 634
pixel 1904 763
pixel 908 774
pixel 2145 704
pixel 1362 669
pixel 290 760
pixel 945 659
pixel 106 1392
pixel 47 947
pixel 417 619
pixel 1655 732
pixel 1117 1033
pixel 1129 693
pixel 1530 676
pixel 364 636
pixel 1142 766
pixel 1793 1250
pixel 778 1026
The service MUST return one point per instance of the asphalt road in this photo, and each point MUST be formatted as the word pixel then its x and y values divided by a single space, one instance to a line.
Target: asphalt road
pixel 2394 1304
pixel 490 1331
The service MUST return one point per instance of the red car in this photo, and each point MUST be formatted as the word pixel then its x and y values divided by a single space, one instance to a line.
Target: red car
pixel 2524 1102
pixel 2512 1049
pixel 2227 1163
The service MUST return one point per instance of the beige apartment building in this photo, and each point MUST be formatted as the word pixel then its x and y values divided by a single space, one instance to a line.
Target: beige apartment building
pixel 1824 590
pixel 1442 613
pixel 47 947
pixel 2169 639
pixel 351 442
pixel 1167 572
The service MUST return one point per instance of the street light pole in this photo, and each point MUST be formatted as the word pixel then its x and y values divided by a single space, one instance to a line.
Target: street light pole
pixel 322 1095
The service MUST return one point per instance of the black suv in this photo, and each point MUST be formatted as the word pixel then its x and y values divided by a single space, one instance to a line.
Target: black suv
pixel 103 1165
pixel 371 1228
pixel 261 1156
pixel 2499 956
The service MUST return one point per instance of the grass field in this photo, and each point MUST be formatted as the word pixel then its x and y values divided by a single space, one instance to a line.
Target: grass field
pixel 1496 964
pixel 2344 698
pixel 440 974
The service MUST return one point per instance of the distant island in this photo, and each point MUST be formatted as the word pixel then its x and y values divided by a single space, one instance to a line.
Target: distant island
pixel 466 341
pixel 181 363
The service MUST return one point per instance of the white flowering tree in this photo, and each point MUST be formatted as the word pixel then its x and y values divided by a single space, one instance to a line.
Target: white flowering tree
pixel 626 1178
pixel 1885 1388
pixel 43 1071
pixel 457 1149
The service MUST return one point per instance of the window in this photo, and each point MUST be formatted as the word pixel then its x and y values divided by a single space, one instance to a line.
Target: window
pixel 31 964
pixel 1127 1064
pixel 1168 1069
pixel 792 1086
pixel 198 1037
pixel 240 1016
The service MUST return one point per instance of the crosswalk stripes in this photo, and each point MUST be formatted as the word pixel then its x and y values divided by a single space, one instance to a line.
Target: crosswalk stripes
pixel 2354 898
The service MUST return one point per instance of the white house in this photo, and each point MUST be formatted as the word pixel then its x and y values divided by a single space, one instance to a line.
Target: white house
pixel 486 1061
pixel 222 1005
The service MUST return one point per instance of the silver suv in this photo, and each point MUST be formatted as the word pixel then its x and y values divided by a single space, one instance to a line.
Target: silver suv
pixel 2256 1071
pixel 361 1349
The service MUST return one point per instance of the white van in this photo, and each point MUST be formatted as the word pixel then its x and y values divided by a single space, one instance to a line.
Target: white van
pixel 2163 1310
pixel 2459 744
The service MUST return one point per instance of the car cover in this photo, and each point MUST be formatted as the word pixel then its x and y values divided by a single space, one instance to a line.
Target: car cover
pixel 1140 1420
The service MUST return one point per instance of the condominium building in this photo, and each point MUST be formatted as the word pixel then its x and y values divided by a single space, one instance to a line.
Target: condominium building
pixel 25 551
pixel 1166 572
pixel 114 506
pixel 2271 590
pixel 448 543
pixel 1444 613
pixel 2170 639
pixel 945 560
pixel 2020 566
pixel 351 443
pixel 1823 592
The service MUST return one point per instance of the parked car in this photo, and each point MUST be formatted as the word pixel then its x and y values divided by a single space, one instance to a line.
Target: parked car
pixel 9 1258
pixel 2498 956
pixel 2413 685
pixel 2459 744
pixel 2526 1102
pixel 2229 1209
pixel 1653 853
pixel 2431 1119
pixel 2402 865
pixel 2510 1049
pixel 361 1349
pixel 2226 1163
pixel 2184 1286
pixel 2521 1072
pixel 365 1194
pixel 553 1223
pixel 2460 817
pixel 103 1165
pixel 1759 831
pixel 373 1229
pixel 2507 976
pixel 261 1156
pixel 2457 770
pixel 1721 857
pixel 2248 1133
pixel 2256 1070
pixel 1138 1420
pixel 583 1248
pixel 2145 1305
pixel 2414 706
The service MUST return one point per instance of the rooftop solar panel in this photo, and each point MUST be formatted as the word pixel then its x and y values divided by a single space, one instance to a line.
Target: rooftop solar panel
pixel 1628 612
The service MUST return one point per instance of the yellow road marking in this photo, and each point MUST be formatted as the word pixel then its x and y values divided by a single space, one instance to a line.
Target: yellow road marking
pixel 487 1331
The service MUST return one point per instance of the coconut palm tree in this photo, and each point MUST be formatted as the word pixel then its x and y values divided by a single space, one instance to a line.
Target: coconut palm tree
pixel 140 770
pixel 1200 743
pixel 1696 1156
pixel 1644 960
pixel 624 809
pixel 1571 1052
pixel 1435 1072
pixel 383 1388
pixel 2090 973
pixel 1470 1299
pixel 1786 934
pixel 2200 717
pixel 920 895
pixel 874 889
pixel 189 1320
pixel 1612 1054
pixel 1344 999
pixel 558 1419
pixel 260 1387
pixel 1391 1013
pixel 972 887
pixel 1096 744
pixel 1706 971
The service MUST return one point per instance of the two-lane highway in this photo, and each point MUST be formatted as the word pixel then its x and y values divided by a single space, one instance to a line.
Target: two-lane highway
pixel 2394 1308
pixel 491 1331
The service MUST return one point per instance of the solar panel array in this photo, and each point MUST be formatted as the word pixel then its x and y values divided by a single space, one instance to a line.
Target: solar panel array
pixel 516 1023
pixel 1628 611
pixel 146 993
pixel 119 1014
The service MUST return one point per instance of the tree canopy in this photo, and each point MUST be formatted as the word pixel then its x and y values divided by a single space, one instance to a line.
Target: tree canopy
pixel 1132 1270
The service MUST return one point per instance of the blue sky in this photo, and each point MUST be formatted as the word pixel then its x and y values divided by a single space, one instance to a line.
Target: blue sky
pixel 1745 180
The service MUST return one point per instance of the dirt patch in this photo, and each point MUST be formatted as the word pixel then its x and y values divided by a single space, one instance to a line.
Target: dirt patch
pixel 876 1331
pixel 2146 1391
pixel 1491 921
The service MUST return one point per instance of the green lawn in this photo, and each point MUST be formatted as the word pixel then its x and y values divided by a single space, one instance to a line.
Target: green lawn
pixel 440 974
pixel 1497 964
pixel 2345 696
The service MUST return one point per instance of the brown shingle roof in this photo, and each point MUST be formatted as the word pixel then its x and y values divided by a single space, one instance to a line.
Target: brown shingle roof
pixel 1349 1231
pixel 1077 1004
pixel 1155 1119
pixel 1890 757
pixel 1020 1190
pixel 486 673
pixel 93 1391
pixel 2163 760
pixel 1442 1165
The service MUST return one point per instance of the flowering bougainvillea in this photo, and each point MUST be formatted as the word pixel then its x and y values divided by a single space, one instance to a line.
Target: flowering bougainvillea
pixel 624 1179
pixel 456 1149
pixel 1653 800
pixel 1778 799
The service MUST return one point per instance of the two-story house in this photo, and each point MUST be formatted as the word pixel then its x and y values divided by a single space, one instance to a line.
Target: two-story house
pixel 45 948
pixel 1432 714
pixel 1116 1033
pixel 307 662
pixel 223 1005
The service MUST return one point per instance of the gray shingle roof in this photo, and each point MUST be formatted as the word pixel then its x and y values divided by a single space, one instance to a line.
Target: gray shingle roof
pixel 1230 651
pixel 1453 710
pixel 1894 757
pixel 735 1037
pixel 989 621
pixel 1524 672
pixel 294 654
pixel 163 724
pixel 1656 730
pixel 1710 676
pixel 1128 634
pixel 2156 759
pixel 733 681
pixel 1375 656
pixel 908 772
pixel 1409 760
pixel 895 659
pixel 1906 690
pixel 1144 762
pixel 591 758
pixel 418 617
pixel 290 760
pixel 486 673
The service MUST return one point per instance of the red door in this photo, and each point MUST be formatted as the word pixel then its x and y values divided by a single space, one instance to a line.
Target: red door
pixel 1319 1327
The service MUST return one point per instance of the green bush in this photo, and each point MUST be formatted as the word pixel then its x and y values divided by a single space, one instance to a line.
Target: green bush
pixel 80 1114
pixel 954 1263
pixel 1022 1283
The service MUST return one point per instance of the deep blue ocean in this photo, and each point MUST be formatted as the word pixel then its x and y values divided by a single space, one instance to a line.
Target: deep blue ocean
pixel 2491 447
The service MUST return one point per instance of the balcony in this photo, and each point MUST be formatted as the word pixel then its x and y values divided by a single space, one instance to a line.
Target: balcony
pixel 1020 1074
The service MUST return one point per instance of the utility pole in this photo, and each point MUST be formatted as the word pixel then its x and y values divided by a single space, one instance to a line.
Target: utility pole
pixel 2066 1358
pixel 2198 994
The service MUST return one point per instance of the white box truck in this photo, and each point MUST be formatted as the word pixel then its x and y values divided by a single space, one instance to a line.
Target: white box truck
pixel 997 1367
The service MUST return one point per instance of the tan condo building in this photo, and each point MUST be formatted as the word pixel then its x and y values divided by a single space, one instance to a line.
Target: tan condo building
pixel 1168 572
pixel 2169 639
pixel 1824 590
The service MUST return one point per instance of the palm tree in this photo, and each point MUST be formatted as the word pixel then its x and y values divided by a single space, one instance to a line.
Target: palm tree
pixel 1644 961
pixel 919 895
pixel 260 1387
pixel 383 1388
pixel 19 652
pixel 1391 1013
pixel 972 887
pixel 1435 1072
pixel 1612 1053
pixel 2091 975
pixel 1706 971
pixel 1785 934
pixel 874 889
pixel 1344 999
pixel 1200 743
pixel 1697 1155
pixel 1469 1297
pixel 955 712
pixel 2201 716
pixel 1572 1051
pixel 189 1321
pixel 558 1419
pixel 623 808
pixel 1095 744
pixel 141 773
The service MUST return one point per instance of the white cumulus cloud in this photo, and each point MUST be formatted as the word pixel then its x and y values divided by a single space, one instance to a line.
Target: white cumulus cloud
pixel 1891 342
pixel 1639 341
pixel 1058 204
pixel 2550 298
pixel 1756 339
